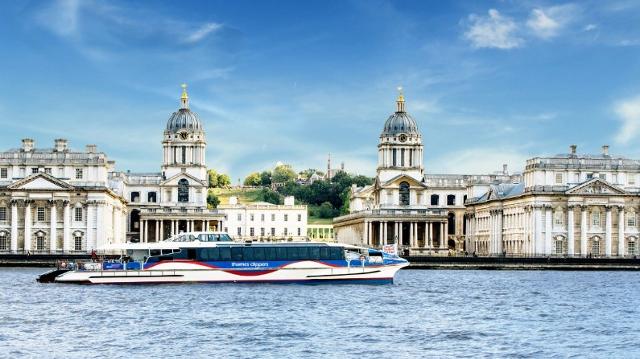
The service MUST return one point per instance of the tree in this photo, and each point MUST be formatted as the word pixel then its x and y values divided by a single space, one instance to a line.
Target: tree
pixel 283 174
pixel 213 178
pixel 224 180
pixel 212 200
pixel 253 179
pixel 326 210
pixel 265 178
pixel 269 196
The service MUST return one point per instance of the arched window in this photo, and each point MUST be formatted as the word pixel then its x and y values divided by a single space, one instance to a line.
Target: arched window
pixel 595 247
pixel 559 245
pixel 631 246
pixel 183 190
pixel 435 199
pixel 77 241
pixel 404 193
pixel 40 241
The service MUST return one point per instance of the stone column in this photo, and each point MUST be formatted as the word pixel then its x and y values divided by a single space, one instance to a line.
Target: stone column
pixel 100 231
pixel 143 231
pixel 499 231
pixel 548 212
pixel 443 235
pixel 14 226
pixel 430 234
pixel 27 226
pixel 492 233
pixel 621 244
pixel 607 232
pixel 66 227
pixel 583 231
pixel 365 234
pixel 398 240
pixel 537 237
pixel 380 234
pixel 161 222
pixel 570 231
pixel 53 234
pixel 426 234
pixel 156 225
pixel 384 233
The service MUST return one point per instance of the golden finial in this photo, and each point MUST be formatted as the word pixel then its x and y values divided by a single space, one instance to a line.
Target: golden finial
pixel 184 99
pixel 400 100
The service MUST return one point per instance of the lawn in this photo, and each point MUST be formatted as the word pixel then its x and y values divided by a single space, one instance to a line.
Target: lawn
pixel 247 195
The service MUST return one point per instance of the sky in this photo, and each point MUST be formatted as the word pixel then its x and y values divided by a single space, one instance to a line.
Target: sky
pixel 292 81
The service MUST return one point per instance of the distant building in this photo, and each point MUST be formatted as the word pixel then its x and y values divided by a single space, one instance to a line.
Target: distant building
pixel 265 221
pixel 421 213
pixel 568 205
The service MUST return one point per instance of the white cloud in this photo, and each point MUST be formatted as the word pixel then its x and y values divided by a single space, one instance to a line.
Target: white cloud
pixel 548 22
pixel 493 31
pixel 590 27
pixel 202 32
pixel 60 17
pixel 629 113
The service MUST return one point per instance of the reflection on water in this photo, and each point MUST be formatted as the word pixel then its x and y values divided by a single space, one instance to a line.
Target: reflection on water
pixel 425 313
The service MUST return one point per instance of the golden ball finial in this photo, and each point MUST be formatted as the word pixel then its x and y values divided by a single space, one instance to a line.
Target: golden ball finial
pixel 400 94
pixel 184 91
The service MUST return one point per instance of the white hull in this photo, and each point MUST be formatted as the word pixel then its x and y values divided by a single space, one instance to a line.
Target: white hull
pixel 176 272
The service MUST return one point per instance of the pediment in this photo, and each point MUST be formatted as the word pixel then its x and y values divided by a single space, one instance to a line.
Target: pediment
pixel 173 181
pixel 395 182
pixel 595 186
pixel 40 181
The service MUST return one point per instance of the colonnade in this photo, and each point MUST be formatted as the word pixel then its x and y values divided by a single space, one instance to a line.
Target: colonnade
pixel 376 233
pixel 158 226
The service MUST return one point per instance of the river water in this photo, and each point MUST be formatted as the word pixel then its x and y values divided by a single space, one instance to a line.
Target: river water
pixel 437 313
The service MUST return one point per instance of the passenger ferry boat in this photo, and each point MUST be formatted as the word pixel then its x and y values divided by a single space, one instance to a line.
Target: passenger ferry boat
pixel 215 257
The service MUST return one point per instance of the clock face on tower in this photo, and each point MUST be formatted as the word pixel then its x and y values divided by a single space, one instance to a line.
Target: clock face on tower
pixel 403 138
pixel 184 135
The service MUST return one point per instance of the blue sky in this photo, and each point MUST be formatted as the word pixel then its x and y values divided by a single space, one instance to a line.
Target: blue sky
pixel 488 82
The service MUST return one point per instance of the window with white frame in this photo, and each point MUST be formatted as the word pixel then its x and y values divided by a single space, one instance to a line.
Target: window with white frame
pixel 239 231
pixel 631 247
pixel 41 214
pixel 251 232
pixel 3 173
pixel 262 231
pixel 40 241
pixel 595 219
pixel 273 231
pixel 77 243
pixel 286 217
pixel 77 215
pixel 34 170
pixel 285 231
pixel 3 213
pixel 299 231
pixel 262 217
pixel 631 219
pixel 631 179
pixel 299 217
pixel 79 173
pixel 273 217
pixel 595 247
pixel 239 217
pixel 47 170
pixel 615 178
pixel 251 218
pixel 4 241
pixel 559 246
pixel 558 178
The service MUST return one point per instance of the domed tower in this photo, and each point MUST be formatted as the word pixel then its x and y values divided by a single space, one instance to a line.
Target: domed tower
pixel 184 142
pixel 400 149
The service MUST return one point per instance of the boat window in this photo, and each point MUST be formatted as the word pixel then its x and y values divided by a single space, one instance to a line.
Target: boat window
pixel 258 254
pixel 191 238
pixel 214 254
pixel 271 254
pixel 336 253
pixel 203 254
pixel 165 258
pixel 154 252
pixel 236 253
pixel 314 253
pixel 292 253
pixel 247 253
pixel 167 251
pixel 303 253
pixel 213 237
pixel 282 253
pixel 225 238
pixel 225 253
pixel 202 237
pixel 324 253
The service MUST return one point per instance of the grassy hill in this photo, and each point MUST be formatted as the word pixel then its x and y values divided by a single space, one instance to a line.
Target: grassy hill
pixel 245 195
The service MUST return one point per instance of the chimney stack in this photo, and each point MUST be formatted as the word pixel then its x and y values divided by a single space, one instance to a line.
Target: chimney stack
pixel 572 149
pixel 27 144
pixel 505 171
pixel 605 150
pixel 91 148
pixel 60 144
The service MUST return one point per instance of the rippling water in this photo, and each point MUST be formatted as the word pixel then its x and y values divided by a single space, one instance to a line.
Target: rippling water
pixel 425 313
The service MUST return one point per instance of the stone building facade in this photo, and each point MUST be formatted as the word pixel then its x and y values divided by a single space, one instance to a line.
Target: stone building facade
pixel 421 213
pixel 57 199
pixel 568 205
